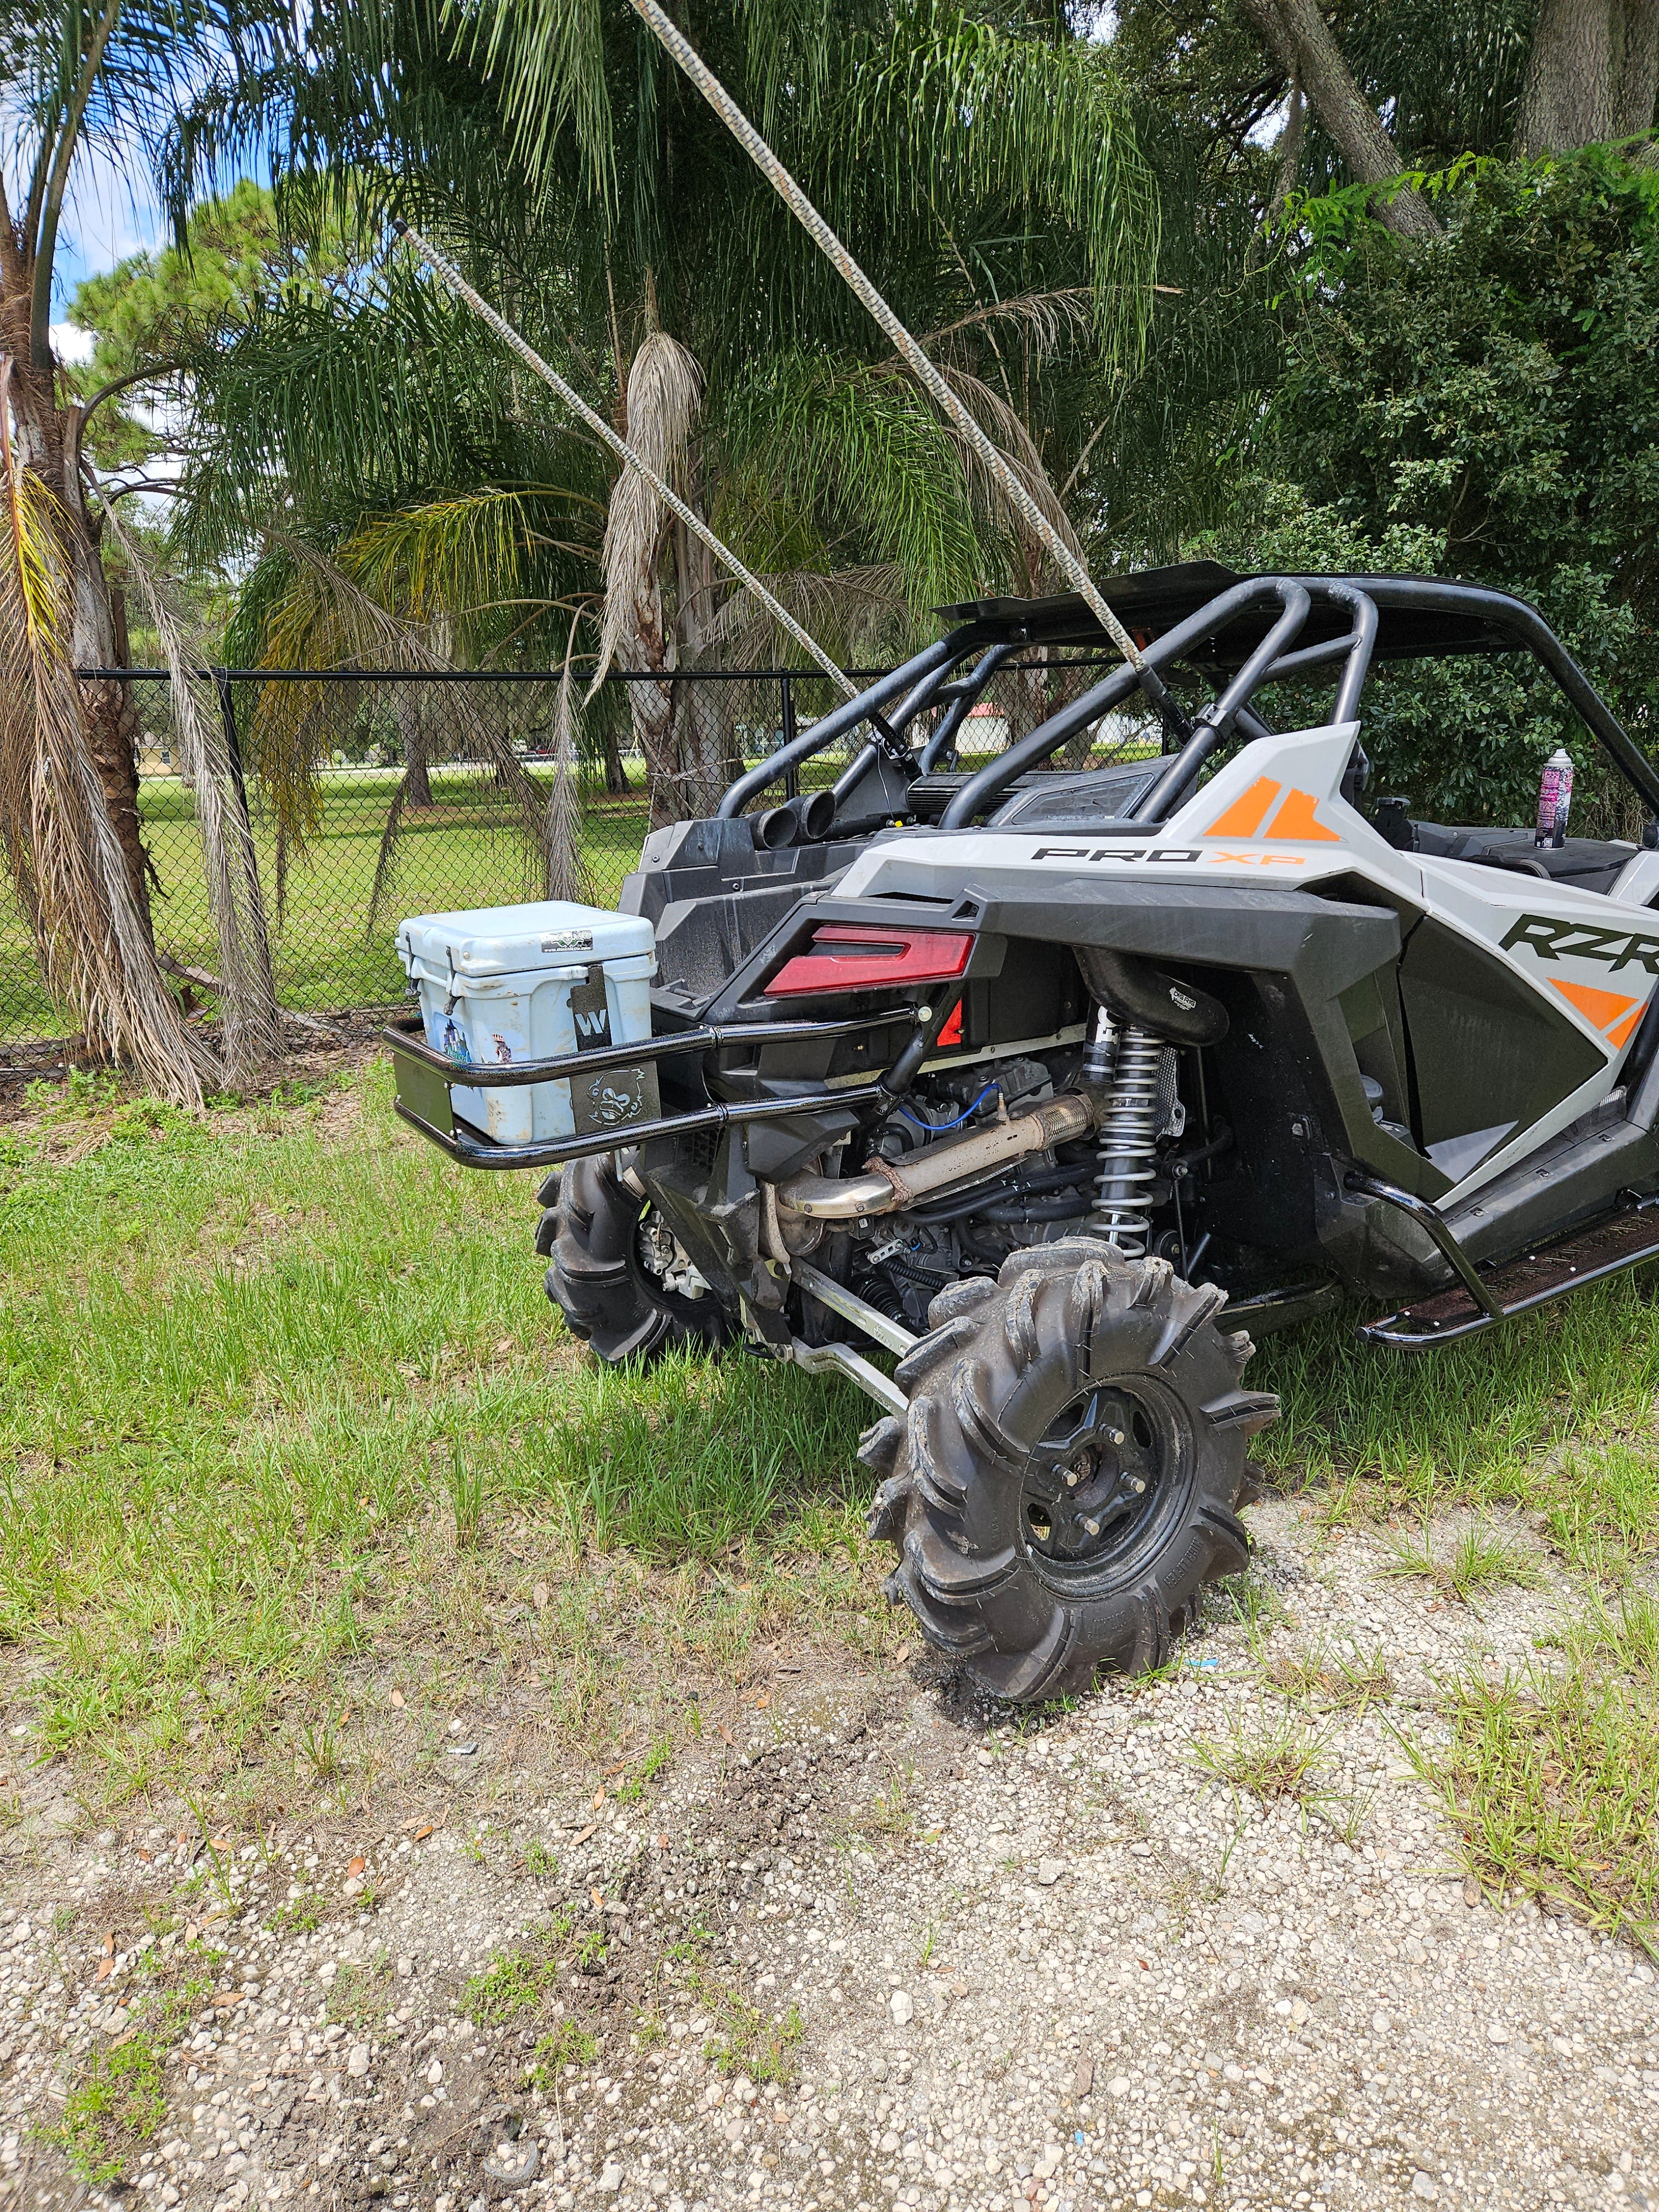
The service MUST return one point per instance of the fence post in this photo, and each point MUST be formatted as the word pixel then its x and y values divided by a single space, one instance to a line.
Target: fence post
pixel 791 778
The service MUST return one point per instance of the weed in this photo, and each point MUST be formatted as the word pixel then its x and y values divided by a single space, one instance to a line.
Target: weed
pixel 300 1916
pixel 893 1810
pixel 118 2104
pixel 568 2045
pixel 519 1982
pixel 630 1791
pixel 319 1747
pixel 540 1862
pixel 1479 1559
pixel 592 1951
pixel 1331 1680
pixel 746 2041
pixel 1284 1758
pixel 695 1945
pixel 357 1993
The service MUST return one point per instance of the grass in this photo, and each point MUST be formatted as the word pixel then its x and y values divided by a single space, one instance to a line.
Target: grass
pixel 239 1357
pixel 1272 1759
pixel 1330 1680
pixel 1553 1416
pixel 1478 1558
pixel 461 852
pixel 1552 1778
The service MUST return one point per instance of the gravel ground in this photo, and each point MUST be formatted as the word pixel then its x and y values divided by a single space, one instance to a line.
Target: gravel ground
pixel 1060 1965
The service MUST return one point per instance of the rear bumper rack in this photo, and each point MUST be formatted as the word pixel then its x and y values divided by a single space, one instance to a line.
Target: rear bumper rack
pixel 427 1079
pixel 1478 1301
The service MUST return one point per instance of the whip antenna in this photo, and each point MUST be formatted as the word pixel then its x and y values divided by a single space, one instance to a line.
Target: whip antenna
pixel 443 267
pixel 923 369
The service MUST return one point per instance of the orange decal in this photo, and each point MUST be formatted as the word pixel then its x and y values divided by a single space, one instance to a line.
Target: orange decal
pixel 1247 814
pixel 1625 1030
pixel 1295 822
pixel 1601 1008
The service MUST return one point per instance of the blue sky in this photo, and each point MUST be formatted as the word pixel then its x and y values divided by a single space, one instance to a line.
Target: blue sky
pixel 109 217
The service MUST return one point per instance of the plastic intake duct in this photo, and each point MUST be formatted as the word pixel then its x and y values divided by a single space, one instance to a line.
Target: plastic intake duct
pixel 886 1186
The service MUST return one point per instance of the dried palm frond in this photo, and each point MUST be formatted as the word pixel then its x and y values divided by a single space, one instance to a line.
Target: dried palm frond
pixel 864 608
pixel 71 874
pixel 1003 424
pixel 365 632
pixel 1043 318
pixel 568 875
pixel 664 391
pixel 250 1025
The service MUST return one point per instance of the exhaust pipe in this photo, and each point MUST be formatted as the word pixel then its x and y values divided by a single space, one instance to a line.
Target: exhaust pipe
pixel 886 1186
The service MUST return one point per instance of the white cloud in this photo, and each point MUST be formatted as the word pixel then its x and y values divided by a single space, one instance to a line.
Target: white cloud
pixel 72 345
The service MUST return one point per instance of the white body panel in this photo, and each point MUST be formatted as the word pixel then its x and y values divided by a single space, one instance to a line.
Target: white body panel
pixel 1274 815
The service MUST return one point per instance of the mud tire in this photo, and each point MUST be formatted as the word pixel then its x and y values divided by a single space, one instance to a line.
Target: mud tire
pixel 974 1497
pixel 587 1232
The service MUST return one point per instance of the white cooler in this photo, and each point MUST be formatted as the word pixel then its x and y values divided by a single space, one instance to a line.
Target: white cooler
pixel 511 983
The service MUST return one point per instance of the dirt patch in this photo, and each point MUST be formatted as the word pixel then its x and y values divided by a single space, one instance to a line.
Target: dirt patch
pixel 849 1940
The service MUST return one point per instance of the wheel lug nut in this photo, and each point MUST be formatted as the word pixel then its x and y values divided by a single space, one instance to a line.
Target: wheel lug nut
pixel 1114 1435
pixel 1093 1527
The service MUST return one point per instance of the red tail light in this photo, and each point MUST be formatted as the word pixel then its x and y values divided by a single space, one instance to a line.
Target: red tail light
pixel 849 956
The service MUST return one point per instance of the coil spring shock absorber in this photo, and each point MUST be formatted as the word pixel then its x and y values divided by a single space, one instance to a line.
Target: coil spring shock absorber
pixel 1128 1134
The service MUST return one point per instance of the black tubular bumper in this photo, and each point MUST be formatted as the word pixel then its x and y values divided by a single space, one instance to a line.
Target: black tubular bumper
pixel 426 1080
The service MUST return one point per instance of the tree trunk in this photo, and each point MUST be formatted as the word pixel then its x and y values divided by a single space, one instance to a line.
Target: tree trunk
pixel 417 745
pixel 1635 82
pixel 1567 100
pixel 1298 33
pixel 615 771
pixel 110 718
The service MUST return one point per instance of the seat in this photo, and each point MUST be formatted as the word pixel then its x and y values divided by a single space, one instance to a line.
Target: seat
pixel 1589 864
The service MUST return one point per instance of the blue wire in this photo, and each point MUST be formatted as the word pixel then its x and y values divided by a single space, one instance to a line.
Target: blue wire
pixel 935 1128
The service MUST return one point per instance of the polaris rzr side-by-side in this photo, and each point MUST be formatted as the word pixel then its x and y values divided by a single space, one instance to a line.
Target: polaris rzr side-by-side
pixel 1058 1083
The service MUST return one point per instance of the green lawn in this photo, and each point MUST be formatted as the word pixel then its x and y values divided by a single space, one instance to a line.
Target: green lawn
pixel 462 851
pixel 328 951
pixel 284 1414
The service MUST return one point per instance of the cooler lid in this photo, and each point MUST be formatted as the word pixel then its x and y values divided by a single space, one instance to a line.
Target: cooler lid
pixel 506 940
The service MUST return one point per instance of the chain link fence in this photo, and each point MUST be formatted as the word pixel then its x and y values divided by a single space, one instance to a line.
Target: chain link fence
pixel 372 796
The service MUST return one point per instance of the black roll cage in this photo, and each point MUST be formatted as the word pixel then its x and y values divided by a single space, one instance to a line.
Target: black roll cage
pixel 1360 617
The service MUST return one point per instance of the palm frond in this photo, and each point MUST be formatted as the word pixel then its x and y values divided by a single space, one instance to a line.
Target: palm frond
pixel 250 1025
pixel 863 612
pixel 71 873
pixel 567 876
pixel 664 391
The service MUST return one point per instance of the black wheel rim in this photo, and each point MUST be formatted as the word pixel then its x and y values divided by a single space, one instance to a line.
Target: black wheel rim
pixel 1107 1469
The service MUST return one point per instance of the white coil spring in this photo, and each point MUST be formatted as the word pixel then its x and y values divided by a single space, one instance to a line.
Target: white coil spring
pixel 1128 1138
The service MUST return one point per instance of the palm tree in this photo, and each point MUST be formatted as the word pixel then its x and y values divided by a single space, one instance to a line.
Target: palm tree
pixel 109 78
pixel 988 174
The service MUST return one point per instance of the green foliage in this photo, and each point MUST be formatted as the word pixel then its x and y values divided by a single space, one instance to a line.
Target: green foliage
pixel 1485 406
pixel 568 2045
pixel 1552 1777
pixel 516 1983
pixel 118 2104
